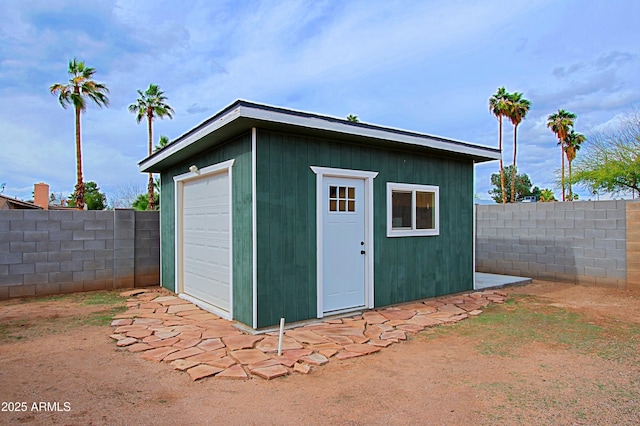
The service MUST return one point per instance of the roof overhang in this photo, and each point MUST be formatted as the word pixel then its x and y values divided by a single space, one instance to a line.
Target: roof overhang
pixel 241 116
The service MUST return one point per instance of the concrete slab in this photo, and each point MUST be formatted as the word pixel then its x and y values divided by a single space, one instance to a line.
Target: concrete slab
pixel 485 281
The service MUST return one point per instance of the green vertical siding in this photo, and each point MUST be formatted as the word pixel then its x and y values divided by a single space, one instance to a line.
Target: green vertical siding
pixel 406 268
pixel 240 150
pixel 286 274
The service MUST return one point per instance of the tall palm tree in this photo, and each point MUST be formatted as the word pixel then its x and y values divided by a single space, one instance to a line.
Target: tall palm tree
pixel 498 107
pixel 80 87
pixel 151 103
pixel 560 123
pixel 517 109
pixel 572 146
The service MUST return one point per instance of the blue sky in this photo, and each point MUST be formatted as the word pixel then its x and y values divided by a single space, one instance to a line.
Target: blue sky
pixel 426 66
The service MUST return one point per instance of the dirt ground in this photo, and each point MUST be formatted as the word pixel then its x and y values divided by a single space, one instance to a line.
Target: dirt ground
pixel 450 376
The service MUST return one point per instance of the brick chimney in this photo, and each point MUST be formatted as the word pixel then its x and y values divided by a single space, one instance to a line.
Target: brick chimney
pixel 41 195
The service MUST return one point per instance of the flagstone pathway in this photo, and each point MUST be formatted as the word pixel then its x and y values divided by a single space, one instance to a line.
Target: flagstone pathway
pixel 163 327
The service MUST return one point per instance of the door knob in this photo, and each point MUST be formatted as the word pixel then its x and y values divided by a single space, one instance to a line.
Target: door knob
pixel 361 251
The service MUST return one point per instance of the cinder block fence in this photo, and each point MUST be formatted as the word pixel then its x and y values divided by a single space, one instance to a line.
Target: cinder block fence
pixel 584 242
pixel 46 252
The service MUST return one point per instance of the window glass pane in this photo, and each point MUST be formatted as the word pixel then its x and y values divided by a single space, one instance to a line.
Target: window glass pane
pixel 351 205
pixel 332 205
pixel 401 209
pixel 342 206
pixel 342 193
pixel 333 192
pixel 352 193
pixel 425 219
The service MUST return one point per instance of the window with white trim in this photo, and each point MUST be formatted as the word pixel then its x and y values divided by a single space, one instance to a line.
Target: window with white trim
pixel 412 210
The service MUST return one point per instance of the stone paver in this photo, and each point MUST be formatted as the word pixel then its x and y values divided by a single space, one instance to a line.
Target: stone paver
pixel 248 356
pixel 174 309
pixel 398 314
pixel 270 344
pixel 147 321
pixel 302 368
pixel 133 292
pixel 411 328
pixel 381 343
pixel 363 349
pixel 158 354
pixel 166 334
pixel 347 355
pixel 203 370
pixel 315 359
pixel 297 353
pixel 125 328
pixel 185 353
pixel 184 344
pixel 166 298
pixel 234 372
pixel 207 357
pixel 184 364
pixel 285 360
pixel 241 341
pixel 161 342
pixel 211 344
pixel 451 309
pixel 126 341
pixel 190 335
pixel 166 328
pixel 271 372
pixel 374 317
pixel 424 321
pixel 139 347
pixel 395 334
pixel 262 364
pixel 224 362
pixel 216 331
pixel 305 336
pixel 328 352
pixel 139 334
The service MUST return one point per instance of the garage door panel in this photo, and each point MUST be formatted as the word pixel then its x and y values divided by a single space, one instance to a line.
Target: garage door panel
pixel 206 240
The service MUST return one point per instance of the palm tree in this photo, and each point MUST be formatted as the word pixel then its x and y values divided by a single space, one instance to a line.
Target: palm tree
pixel 353 118
pixel 80 86
pixel 560 123
pixel 517 109
pixel 498 107
pixel 546 196
pixel 162 143
pixel 572 146
pixel 150 104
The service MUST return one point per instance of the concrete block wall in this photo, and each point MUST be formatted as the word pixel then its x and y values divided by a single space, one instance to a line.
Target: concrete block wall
pixel 147 254
pixel 46 252
pixel 633 246
pixel 584 242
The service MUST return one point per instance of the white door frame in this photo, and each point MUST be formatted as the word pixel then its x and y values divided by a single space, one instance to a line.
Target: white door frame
pixel 368 177
pixel 179 181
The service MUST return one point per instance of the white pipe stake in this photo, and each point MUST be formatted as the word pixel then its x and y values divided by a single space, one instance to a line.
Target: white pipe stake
pixel 280 337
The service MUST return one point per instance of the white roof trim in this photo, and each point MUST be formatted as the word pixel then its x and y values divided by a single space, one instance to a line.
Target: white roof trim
pixel 390 134
pixel 198 134
pixel 266 113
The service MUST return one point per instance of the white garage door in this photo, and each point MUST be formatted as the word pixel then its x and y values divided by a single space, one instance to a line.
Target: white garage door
pixel 206 240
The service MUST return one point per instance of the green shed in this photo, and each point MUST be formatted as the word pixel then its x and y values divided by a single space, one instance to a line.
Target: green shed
pixel 269 212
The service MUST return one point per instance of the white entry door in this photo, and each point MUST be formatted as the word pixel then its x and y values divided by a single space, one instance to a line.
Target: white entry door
pixel 206 270
pixel 343 248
